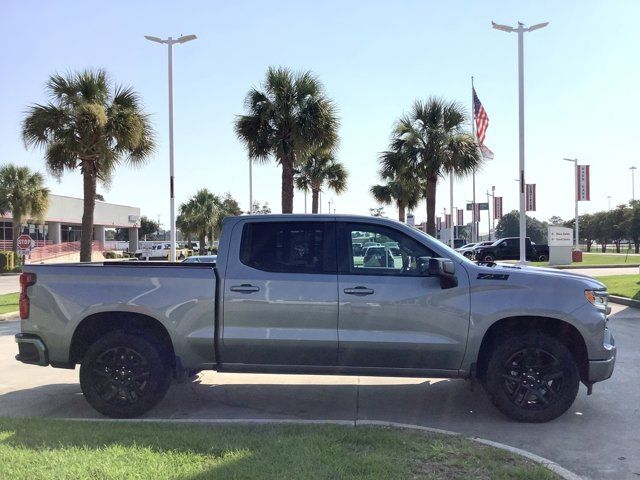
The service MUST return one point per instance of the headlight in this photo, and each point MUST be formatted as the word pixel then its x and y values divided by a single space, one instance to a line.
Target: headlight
pixel 597 298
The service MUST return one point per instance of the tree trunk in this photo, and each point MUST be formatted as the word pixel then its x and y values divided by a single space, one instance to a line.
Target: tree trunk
pixel 401 211
pixel 17 224
pixel 201 239
pixel 89 181
pixel 430 196
pixel 314 199
pixel 287 183
pixel 637 245
pixel 617 242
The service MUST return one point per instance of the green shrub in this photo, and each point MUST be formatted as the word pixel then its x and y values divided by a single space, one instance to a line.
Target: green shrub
pixel 8 261
pixel 110 255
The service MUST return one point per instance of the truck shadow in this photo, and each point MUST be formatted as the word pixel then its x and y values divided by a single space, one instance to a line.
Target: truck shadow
pixel 445 404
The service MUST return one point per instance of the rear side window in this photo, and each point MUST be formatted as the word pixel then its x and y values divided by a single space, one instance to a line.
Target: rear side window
pixel 289 247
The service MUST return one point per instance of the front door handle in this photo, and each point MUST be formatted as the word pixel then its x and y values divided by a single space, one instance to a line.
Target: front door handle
pixel 358 291
pixel 245 288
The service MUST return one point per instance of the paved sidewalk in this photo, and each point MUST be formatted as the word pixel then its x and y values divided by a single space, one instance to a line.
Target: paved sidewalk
pixel 604 271
pixel 598 437
pixel 9 284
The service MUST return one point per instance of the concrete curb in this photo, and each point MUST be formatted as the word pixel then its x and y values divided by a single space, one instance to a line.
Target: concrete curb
pixel 629 302
pixel 9 316
pixel 553 466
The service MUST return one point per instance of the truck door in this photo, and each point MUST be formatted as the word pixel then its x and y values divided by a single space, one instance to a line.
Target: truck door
pixel 280 294
pixel 391 315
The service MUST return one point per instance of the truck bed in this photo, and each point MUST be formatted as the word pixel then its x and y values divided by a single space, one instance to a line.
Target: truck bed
pixel 180 296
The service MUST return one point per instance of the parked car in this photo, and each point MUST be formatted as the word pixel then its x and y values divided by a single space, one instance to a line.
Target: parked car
pixel 287 295
pixel 509 249
pixel 468 250
pixel 201 259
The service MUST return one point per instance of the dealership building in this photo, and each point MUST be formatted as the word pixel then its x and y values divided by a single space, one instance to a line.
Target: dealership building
pixel 63 220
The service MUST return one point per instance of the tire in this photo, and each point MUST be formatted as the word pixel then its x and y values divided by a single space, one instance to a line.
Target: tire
pixel 469 255
pixel 488 258
pixel 542 257
pixel 532 378
pixel 109 383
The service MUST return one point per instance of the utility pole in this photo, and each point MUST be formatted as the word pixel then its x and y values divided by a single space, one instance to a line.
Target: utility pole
pixel 633 183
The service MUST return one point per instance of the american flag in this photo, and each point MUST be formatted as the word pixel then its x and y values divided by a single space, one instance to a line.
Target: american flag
pixel 481 118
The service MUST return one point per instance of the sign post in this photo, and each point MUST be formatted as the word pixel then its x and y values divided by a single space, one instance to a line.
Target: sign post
pixel 25 243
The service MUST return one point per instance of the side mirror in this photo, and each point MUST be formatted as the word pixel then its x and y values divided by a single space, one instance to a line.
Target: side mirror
pixel 445 269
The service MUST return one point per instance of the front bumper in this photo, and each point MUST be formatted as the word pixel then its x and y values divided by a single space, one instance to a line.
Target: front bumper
pixel 600 370
pixel 31 350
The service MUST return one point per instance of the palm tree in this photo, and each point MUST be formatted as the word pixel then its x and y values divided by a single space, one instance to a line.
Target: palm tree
pixel 402 186
pixel 288 118
pixel 92 126
pixel 432 136
pixel 199 215
pixel 23 195
pixel 319 168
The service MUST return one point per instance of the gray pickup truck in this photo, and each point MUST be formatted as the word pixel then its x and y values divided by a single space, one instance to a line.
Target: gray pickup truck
pixel 290 294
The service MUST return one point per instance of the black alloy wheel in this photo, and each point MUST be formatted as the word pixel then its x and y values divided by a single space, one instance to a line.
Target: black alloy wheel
pixel 532 377
pixel 123 375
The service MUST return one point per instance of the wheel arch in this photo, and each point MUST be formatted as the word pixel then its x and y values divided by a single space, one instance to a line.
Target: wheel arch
pixel 554 327
pixel 94 326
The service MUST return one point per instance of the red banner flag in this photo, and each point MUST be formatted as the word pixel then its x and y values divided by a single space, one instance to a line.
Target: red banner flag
pixel 497 208
pixel 460 216
pixel 582 175
pixel 447 220
pixel 530 198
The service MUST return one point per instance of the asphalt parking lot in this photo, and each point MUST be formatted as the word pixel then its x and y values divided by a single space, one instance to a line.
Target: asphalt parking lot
pixel 597 438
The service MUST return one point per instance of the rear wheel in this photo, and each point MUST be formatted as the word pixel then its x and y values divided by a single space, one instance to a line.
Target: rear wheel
pixel 532 378
pixel 542 257
pixel 488 258
pixel 122 375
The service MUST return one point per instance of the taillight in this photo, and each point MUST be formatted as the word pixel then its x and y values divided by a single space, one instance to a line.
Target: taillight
pixel 26 280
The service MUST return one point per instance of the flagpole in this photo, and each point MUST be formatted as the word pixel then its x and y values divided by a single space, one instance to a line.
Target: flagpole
pixel 474 229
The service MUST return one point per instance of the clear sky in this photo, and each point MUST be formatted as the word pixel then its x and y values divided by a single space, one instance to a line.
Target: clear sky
pixel 374 58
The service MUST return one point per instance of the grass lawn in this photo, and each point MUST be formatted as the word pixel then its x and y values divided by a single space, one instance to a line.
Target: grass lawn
pixel 622 285
pixel 595 259
pixel 9 302
pixel 47 449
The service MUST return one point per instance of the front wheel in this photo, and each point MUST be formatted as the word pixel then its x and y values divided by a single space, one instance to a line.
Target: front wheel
pixel 532 378
pixel 122 375
pixel 542 257
pixel 488 258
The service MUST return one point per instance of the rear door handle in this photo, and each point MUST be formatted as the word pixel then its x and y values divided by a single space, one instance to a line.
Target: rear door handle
pixel 245 288
pixel 359 291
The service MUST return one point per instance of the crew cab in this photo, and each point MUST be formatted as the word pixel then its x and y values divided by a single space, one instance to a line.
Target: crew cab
pixel 509 249
pixel 288 294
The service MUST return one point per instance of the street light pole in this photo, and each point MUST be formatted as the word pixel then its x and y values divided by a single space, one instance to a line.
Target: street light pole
pixel 172 225
pixel 250 186
pixel 633 183
pixel 577 195
pixel 609 202
pixel 523 216
pixel 451 242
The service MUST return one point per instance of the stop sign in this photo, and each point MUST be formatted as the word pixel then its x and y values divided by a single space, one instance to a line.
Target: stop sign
pixel 24 242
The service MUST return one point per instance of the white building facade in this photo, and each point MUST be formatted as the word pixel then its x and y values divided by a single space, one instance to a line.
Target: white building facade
pixel 63 220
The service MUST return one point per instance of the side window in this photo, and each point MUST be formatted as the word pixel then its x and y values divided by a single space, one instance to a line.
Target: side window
pixel 378 250
pixel 288 247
